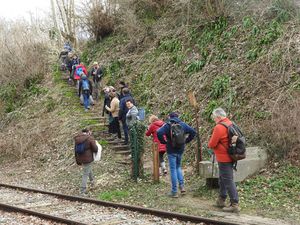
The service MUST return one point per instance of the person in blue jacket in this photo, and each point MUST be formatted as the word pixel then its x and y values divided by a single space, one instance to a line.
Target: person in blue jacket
pixel 175 153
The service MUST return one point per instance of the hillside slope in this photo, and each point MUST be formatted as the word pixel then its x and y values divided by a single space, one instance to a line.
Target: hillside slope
pixel 246 62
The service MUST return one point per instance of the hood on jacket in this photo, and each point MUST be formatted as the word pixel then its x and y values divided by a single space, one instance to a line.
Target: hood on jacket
pixel 81 138
pixel 159 123
pixel 175 119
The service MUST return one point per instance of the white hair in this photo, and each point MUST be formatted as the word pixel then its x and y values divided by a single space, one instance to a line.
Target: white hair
pixel 219 112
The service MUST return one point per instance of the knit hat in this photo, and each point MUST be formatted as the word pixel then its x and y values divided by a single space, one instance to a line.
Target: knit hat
pixel 173 114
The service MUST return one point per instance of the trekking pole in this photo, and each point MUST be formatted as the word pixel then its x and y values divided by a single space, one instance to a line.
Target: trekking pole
pixel 193 102
pixel 213 165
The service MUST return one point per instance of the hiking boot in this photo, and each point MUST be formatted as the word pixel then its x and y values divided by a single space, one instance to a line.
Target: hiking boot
pixel 173 195
pixel 92 184
pixel 182 191
pixel 233 208
pixel 220 202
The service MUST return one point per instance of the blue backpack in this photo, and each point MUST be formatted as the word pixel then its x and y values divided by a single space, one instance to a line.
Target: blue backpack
pixel 141 114
pixel 79 71
pixel 85 85
pixel 80 148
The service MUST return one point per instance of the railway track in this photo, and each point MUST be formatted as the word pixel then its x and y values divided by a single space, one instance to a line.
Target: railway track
pixel 66 209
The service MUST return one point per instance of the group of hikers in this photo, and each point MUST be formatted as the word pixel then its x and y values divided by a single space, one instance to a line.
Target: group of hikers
pixel 171 135
pixel 88 83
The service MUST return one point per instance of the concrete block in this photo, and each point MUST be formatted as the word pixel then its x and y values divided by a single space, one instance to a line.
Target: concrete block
pixel 256 159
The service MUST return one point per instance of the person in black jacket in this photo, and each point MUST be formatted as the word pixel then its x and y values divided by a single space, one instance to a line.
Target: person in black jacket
pixel 123 111
pixel 122 85
pixel 96 73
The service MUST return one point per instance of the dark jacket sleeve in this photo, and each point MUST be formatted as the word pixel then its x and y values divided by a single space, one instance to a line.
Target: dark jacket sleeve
pixel 100 72
pixel 121 109
pixel 190 131
pixel 93 145
pixel 161 132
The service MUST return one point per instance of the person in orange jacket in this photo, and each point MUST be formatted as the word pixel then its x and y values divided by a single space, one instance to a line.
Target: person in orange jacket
pixel 219 142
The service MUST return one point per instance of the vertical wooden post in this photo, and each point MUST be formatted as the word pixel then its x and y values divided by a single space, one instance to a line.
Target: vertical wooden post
pixel 199 146
pixel 193 102
pixel 155 162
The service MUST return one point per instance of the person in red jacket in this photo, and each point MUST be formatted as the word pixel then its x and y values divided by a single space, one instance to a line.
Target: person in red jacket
pixel 155 124
pixel 219 142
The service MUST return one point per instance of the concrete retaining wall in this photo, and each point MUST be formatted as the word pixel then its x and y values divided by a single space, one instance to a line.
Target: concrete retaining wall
pixel 256 159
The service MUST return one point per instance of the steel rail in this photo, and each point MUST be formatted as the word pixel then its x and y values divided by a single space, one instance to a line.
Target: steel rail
pixel 11 208
pixel 151 211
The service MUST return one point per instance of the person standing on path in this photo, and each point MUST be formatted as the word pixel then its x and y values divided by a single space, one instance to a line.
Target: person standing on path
pixel 86 158
pixel 175 151
pixel 123 112
pixel 96 73
pixel 131 115
pixel 86 89
pixel 114 110
pixel 219 142
pixel 155 124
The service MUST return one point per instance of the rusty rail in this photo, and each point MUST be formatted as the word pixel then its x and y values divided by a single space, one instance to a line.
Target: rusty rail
pixel 10 208
pixel 154 212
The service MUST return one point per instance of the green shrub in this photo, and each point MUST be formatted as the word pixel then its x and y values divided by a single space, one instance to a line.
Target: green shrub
pixel 212 104
pixel 273 192
pixel 261 37
pixel 171 45
pixel 195 66
pixel 220 86
pixel 113 71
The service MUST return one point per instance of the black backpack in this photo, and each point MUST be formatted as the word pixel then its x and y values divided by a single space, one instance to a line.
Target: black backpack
pixel 236 151
pixel 98 75
pixel 80 148
pixel 177 134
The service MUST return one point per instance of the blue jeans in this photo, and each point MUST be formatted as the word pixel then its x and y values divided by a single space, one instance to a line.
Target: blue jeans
pixel 86 99
pixel 226 182
pixel 175 171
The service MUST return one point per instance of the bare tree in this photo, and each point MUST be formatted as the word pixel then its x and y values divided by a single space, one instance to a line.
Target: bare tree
pixel 54 18
pixel 98 18
pixel 66 24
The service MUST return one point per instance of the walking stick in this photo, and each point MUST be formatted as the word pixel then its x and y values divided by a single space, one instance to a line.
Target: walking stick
pixel 213 165
pixel 193 102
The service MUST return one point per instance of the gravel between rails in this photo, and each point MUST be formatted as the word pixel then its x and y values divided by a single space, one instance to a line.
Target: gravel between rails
pixel 77 211
pixel 11 218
